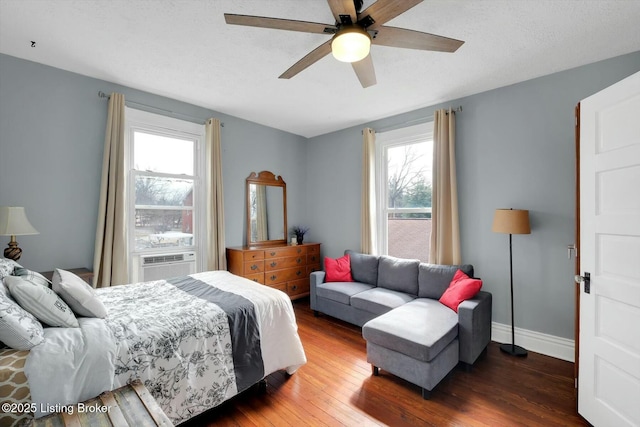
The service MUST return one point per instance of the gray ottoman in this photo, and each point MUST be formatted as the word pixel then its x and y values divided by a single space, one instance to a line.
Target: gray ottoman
pixel 417 342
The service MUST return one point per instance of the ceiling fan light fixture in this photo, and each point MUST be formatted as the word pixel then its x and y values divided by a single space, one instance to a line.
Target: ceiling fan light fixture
pixel 351 44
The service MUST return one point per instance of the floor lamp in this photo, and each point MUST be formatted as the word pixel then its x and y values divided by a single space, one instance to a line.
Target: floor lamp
pixel 511 221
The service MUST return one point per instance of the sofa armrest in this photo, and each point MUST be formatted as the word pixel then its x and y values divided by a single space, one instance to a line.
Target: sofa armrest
pixel 315 278
pixel 474 326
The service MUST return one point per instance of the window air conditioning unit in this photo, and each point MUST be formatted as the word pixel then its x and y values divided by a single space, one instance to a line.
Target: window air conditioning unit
pixel 164 266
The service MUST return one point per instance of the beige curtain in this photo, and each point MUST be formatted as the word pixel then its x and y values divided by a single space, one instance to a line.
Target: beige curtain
pixel 216 258
pixel 261 213
pixel 368 198
pixel 110 262
pixel 445 229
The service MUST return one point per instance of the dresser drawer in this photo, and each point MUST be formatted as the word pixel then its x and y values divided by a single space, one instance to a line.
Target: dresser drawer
pixel 313 258
pixel 286 262
pixel 298 287
pixel 285 267
pixel 312 268
pixel 285 251
pixel 253 255
pixel 253 267
pixel 258 278
pixel 313 249
pixel 279 276
pixel 280 286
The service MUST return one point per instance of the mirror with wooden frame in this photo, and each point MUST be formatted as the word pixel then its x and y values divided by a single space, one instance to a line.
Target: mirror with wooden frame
pixel 266 209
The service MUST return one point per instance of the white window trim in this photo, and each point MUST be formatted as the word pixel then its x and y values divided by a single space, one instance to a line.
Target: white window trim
pixel 384 141
pixel 138 120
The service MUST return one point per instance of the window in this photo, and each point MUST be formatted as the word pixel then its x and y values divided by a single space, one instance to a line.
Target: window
pixel 165 200
pixel 404 168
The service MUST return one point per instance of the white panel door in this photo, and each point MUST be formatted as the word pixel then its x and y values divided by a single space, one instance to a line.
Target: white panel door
pixel 609 371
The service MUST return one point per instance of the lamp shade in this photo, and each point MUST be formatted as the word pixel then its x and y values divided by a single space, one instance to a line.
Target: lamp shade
pixel 14 222
pixel 351 44
pixel 511 221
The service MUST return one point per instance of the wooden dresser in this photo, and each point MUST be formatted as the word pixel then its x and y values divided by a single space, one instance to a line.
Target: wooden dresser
pixel 284 267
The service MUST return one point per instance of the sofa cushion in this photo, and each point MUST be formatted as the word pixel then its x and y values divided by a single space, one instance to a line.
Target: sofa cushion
pixel 398 274
pixel 340 291
pixel 462 288
pixel 434 279
pixel 380 300
pixel 421 329
pixel 364 268
pixel 338 270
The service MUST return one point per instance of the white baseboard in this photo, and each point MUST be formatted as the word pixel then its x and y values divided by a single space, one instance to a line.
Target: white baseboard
pixel 560 348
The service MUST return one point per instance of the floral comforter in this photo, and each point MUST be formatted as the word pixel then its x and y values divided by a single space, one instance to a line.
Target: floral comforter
pixel 194 341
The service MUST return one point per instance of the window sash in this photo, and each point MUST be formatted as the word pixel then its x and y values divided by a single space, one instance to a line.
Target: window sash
pixel 408 210
pixel 385 141
pixel 149 123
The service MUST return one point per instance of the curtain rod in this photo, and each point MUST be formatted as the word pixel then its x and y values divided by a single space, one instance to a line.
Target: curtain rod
pixel 101 94
pixel 414 121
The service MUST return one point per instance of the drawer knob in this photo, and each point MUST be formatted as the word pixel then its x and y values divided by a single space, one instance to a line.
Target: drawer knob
pixel 274 277
pixel 299 260
pixel 254 267
pixel 273 253
pixel 298 273
pixel 299 250
pixel 294 288
pixel 273 264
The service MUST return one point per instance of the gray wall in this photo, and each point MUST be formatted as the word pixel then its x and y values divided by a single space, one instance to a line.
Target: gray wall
pixel 515 148
pixel 52 125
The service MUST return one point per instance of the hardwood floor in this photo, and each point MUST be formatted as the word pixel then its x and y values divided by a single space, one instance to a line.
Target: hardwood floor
pixel 336 387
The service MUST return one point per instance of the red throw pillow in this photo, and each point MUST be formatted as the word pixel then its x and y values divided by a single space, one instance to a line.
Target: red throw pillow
pixel 338 270
pixel 461 288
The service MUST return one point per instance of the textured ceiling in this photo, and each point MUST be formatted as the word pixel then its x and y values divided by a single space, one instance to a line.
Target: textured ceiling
pixel 183 49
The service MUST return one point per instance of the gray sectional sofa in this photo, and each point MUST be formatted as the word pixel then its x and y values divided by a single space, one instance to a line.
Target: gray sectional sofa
pixel 409 333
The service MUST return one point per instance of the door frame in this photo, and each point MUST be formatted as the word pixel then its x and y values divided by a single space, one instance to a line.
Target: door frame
pixel 577 257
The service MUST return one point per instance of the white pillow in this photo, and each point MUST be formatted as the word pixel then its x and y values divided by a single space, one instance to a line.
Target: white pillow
pixel 18 328
pixel 32 276
pixel 80 296
pixel 41 301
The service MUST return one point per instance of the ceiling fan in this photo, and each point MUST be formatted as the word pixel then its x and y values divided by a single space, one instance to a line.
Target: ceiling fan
pixel 353 33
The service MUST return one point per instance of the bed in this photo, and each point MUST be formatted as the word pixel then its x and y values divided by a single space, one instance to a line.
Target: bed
pixel 194 341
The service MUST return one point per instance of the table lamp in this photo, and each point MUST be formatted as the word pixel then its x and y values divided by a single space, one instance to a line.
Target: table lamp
pixel 14 222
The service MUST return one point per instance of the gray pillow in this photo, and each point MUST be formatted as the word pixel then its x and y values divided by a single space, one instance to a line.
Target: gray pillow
pixel 434 279
pixel 398 274
pixel 364 267
pixel 41 301
pixel 18 328
pixel 80 296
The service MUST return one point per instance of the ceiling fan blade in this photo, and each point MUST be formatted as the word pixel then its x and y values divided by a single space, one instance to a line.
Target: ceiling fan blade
pixel 279 24
pixel 365 71
pixel 314 56
pixel 410 39
pixel 383 11
pixel 343 7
